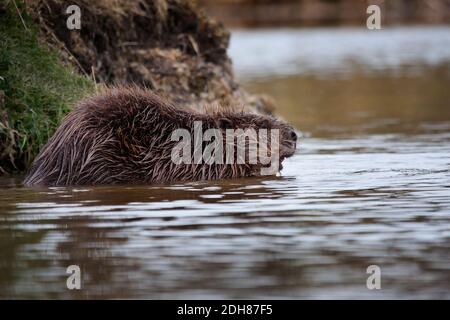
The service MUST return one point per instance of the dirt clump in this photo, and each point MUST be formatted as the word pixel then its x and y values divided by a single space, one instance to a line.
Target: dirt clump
pixel 169 46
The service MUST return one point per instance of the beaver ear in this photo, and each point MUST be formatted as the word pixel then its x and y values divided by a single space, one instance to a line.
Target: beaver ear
pixel 265 124
pixel 225 123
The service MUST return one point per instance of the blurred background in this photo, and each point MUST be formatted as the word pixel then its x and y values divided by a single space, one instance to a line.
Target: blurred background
pixel 329 74
pixel 263 13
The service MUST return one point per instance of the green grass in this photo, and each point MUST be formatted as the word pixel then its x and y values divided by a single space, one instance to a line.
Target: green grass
pixel 36 90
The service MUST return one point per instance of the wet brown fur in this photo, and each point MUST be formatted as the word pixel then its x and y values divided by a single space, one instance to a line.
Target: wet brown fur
pixel 123 136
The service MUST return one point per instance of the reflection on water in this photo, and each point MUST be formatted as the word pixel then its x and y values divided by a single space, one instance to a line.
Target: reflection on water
pixel 369 185
pixel 373 104
pixel 321 51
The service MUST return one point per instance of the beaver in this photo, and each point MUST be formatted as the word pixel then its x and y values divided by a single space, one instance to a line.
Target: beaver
pixel 124 135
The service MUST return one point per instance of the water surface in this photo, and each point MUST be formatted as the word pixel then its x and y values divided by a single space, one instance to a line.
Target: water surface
pixel 369 185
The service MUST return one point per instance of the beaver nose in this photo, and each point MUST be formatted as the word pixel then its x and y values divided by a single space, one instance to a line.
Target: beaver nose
pixel 293 135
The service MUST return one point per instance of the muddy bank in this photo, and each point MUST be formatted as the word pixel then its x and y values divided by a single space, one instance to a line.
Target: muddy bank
pixel 169 46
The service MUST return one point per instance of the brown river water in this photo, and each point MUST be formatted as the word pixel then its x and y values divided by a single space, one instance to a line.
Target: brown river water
pixel 368 185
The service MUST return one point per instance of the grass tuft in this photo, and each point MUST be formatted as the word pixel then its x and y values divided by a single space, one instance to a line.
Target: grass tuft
pixel 36 89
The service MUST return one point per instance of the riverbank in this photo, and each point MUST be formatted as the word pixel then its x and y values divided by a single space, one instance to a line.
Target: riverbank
pixel 36 89
pixel 168 46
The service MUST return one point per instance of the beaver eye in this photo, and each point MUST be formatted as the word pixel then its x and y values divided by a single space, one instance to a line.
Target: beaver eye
pixel 225 123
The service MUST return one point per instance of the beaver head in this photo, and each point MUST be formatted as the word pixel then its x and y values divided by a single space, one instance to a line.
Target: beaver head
pixel 264 132
pixel 126 135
